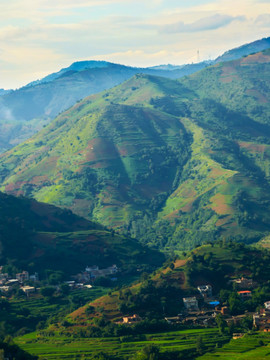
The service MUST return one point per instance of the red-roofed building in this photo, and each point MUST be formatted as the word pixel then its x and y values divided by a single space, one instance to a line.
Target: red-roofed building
pixel 246 294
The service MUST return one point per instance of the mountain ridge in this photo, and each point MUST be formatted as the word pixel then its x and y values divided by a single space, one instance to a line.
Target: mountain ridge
pixel 170 162
pixel 26 110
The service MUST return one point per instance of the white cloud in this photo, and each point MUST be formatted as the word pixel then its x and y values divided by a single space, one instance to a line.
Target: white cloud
pixel 41 36
pixel 207 23
pixel 263 20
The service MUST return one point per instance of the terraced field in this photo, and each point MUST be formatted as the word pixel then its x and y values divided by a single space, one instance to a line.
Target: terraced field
pixel 61 347
pixel 250 347
pixel 169 162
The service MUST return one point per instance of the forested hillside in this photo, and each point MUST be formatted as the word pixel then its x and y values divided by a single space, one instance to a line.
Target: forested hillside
pixel 170 162
pixel 38 237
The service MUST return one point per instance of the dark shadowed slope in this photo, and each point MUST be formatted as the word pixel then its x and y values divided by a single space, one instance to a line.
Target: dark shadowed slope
pixel 38 236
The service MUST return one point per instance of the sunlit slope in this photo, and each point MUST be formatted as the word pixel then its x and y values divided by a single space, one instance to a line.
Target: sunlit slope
pixel 102 159
pixel 171 162
pixel 230 127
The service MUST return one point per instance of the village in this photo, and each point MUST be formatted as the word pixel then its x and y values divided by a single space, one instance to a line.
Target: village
pixel 201 309
pixel 198 310
pixel 30 284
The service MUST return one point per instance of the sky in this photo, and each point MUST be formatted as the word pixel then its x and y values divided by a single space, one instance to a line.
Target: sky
pixel 38 37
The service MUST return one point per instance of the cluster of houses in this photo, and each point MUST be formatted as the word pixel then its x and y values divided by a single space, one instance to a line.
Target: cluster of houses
pixel 7 283
pixel 192 315
pixel 85 279
pixel 205 294
pixel 261 319
pixel 202 308
pixel 243 283
pixel 25 281
pixel 93 272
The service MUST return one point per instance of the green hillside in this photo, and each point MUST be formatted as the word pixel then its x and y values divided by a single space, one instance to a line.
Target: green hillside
pixel 170 162
pixel 102 159
pixel 36 237
pixel 160 294
pixel 97 328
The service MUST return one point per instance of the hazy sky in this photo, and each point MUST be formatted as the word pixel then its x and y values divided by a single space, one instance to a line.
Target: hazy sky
pixel 38 37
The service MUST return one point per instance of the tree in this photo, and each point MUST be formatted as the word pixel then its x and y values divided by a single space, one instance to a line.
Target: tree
pixel 55 277
pixel 101 356
pixel 246 323
pixel 90 310
pixel 221 323
pixel 103 281
pixel 199 345
pixel 47 291
pixel 65 289
pixel 235 304
pixel 4 305
pixel 144 277
pixel 149 352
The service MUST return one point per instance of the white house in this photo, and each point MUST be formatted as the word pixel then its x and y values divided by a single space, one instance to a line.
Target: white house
pixel 205 290
pixel 191 303
pixel 267 305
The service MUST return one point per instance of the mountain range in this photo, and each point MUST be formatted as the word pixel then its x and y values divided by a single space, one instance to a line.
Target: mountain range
pixel 3 91
pixel 170 162
pixel 156 165
pixel 26 110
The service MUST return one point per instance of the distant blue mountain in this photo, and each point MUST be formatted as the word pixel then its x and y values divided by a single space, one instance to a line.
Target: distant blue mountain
pixel 4 92
pixel 166 70
pixel 24 111
pixel 76 66
pixel 247 49
pixel 166 67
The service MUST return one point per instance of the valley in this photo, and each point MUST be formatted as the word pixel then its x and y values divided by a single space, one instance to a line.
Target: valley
pixel 135 211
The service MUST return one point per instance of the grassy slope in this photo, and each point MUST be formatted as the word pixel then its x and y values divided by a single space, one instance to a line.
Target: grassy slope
pixel 224 187
pixel 112 144
pixel 229 262
pixel 24 314
pixel 187 160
